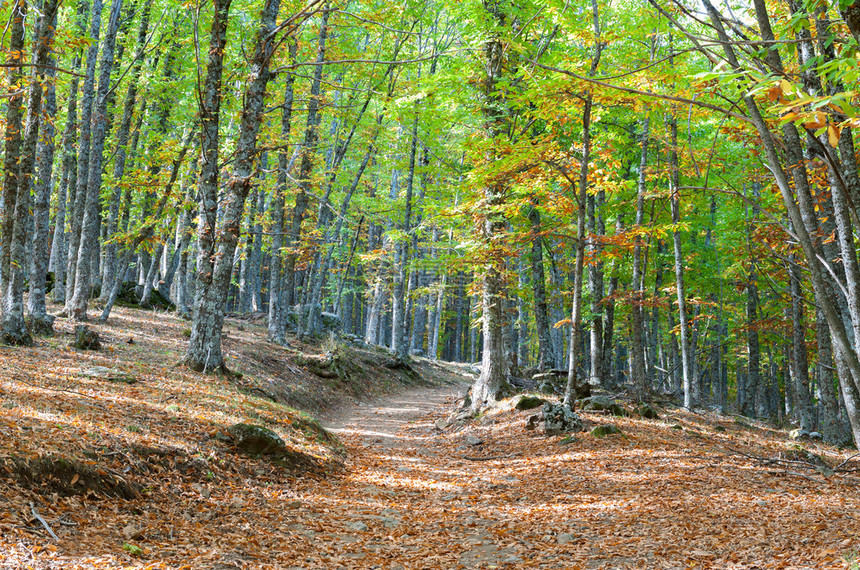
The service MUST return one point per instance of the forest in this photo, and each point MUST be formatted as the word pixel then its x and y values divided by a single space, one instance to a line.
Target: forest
pixel 652 195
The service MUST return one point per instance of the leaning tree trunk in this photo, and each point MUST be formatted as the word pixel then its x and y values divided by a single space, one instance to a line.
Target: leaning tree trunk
pixel 83 160
pixel 215 252
pixel 92 176
pixel 121 153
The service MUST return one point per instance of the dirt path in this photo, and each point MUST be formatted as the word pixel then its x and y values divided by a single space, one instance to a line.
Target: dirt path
pixel 410 497
pixel 417 497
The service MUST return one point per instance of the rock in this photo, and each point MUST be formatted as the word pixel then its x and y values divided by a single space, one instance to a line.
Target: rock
pixel 441 424
pixel 564 538
pixel 471 439
pixel 85 339
pixel 528 402
pixel 558 418
pixel 294 505
pixel 567 441
pixel 9 405
pixel 648 412
pixel 358 526
pixel 260 442
pixel 815 435
pixel 604 430
pixel 602 404
pixel 533 422
pixel 255 440
pixel 719 429
pixel 131 532
pixel 798 433
pixel 109 374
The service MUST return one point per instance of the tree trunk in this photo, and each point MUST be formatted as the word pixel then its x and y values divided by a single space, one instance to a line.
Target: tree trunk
pixel 83 157
pixel 637 344
pixel 280 281
pixel 215 256
pixel 492 379
pixel 546 358
pixel 41 321
pixel 691 395
pixel 90 177
pixel 799 364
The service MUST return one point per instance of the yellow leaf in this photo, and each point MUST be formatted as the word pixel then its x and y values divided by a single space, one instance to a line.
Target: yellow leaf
pixel 833 133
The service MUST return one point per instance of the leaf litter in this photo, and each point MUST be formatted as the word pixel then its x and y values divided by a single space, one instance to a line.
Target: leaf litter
pixel 393 490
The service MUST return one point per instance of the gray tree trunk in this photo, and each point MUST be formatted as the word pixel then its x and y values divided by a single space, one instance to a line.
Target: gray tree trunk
pixel 215 252
pixel 637 344
pixel 799 362
pixel 280 281
pixel 90 179
pixel 546 358
pixel 83 157
pixel 44 166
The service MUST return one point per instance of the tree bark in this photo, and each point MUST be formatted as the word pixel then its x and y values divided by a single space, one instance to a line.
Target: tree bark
pixel 215 256
pixel 90 177
pixel 41 321
pixel 493 378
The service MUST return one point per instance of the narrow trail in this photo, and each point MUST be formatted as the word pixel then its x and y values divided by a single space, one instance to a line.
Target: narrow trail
pixel 418 497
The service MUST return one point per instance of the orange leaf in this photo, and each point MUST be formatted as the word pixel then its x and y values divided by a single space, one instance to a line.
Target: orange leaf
pixel 74 479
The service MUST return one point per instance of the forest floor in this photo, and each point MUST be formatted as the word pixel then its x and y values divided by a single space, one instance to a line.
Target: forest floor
pixel 130 468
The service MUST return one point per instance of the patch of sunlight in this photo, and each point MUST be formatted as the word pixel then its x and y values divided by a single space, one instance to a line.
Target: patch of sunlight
pixel 406 482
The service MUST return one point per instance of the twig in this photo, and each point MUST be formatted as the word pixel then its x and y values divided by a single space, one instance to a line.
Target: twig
pixel 44 522
pixel 96 403
pixel 490 458
pixel 839 467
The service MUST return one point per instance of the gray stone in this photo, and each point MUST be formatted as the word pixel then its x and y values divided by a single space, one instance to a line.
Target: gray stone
pixel 441 424
pixel 556 419
pixel 602 404
pixel 109 374
pixel 648 412
pixel 798 434
pixel 358 526
pixel 564 538
pixel 471 439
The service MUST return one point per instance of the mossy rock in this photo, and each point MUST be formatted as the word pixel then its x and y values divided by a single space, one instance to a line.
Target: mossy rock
pixel 67 476
pixel 719 429
pixel 602 404
pixel 262 443
pixel 604 430
pixel 648 412
pixel 529 402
